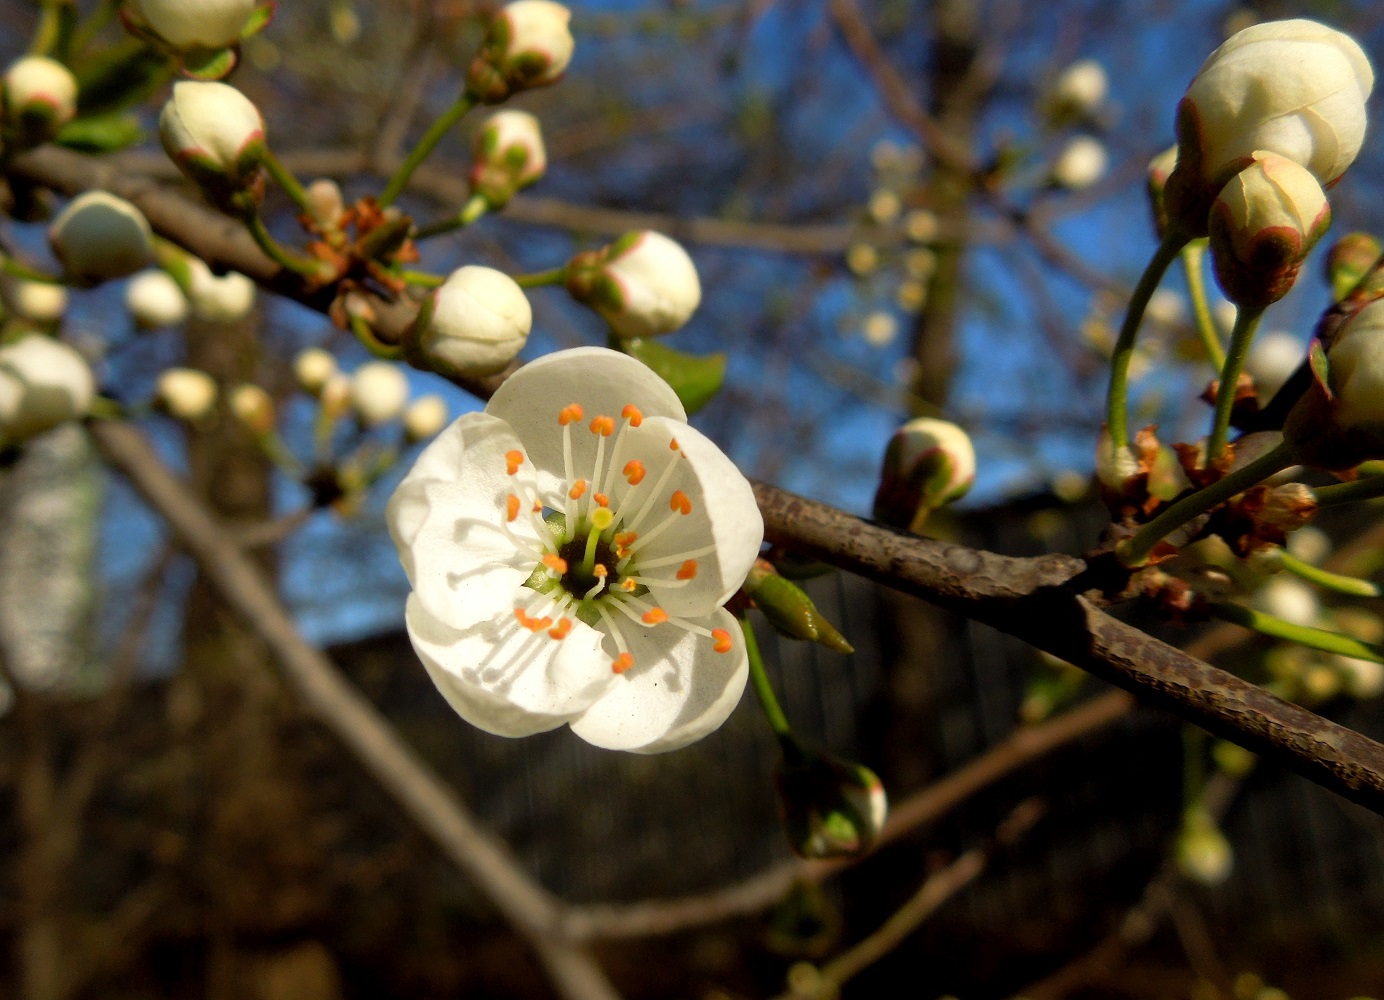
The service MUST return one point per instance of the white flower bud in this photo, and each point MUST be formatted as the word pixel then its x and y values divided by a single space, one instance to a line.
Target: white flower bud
pixel 1081 87
pixel 1361 678
pixel 326 202
pixel 1289 599
pixel 43 383
pixel 99 236
pixel 186 24
pixel 223 299
pixel 41 91
pixel 1115 466
pixel 643 284
pixel 1356 364
pixel 1311 545
pixel 155 300
pixel 507 155
pixel 312 368
pixel 1160 169
pixel 253 407
pixel 379 391
pixel 529 45
pixel 1296 88
pixel 336 395
pixel 1263 224
pixel 425 417
pixel 477 324
pixel 187 393
pixel 928 463
pixel 37 300
pixel 212 132
pixel 1081 163
pixel 1272 360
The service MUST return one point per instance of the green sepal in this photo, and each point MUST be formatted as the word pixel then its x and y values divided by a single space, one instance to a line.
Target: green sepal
pixel 208 64
pixel 104 133
pixel 1321 368
pixel 790 611
pixel 695 378
pixel 259 19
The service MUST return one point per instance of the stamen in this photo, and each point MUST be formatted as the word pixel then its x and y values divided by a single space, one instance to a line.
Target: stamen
pixel 532 624
pixel 604 426
pixel 633 414
pixel 601 500
pixel 673 445
pixel 723 640
pixel 638 610
pixel 569 413
pixel 626 585
pixel 653 494
pixel 513 459
pixel 561 629
pixel 555 563
pixel 634 471
pixel 626 659
pixel 679 502
pixel 511 507
pixel 657 581
pixel 622 663
pixel 578 488
pixel 688 571
pixel 655 616
pixel 681 557
pixel 600 572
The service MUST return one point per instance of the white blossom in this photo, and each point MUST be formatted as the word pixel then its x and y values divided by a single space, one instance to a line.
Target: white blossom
pixel 478 322
pixel 185 24
pixel 379 391
pixel 37 86
pixel 99 236
pixel 155 300
pixel 211 129
pixel 570 549
pixel 43 383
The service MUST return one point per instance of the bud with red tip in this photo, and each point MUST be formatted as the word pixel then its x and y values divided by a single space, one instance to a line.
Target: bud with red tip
pixel 40 98
pixel 216 137
pixel 644 284
pixel 928 463
pixel 529 45
pixel 507 156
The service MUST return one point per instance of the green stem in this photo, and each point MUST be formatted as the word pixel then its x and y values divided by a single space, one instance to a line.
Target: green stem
pixel 49 31
pixel 1116 402
pixel 1135 550
pixel 470 212
pixel 1193 258
pixel 88 29
pixel 285 179
pixel 1339 493
pixel 1313 638
pixel 291 262
pixel 425 146
pixel 768 701
pixel 422 279
pixel 1327 580
pixel 16 268
pixel 1246 322
pixel 557 276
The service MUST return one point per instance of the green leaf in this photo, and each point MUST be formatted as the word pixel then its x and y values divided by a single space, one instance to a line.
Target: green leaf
pixel 259 18
pixel 107 133
pixel 695 378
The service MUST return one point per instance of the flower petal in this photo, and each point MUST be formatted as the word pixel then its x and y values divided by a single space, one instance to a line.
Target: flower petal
pixel 679 689
pixel 507 680
pixel 447 519
pixel 601 381
pixel 722 513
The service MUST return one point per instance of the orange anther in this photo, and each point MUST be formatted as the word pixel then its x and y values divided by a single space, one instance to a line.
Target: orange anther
pixel 538 506
pixel 511 507
pixel 555 563
pixel 560 630
pixel 513 459
pixel 569 413
pixel 522 617
pixel 578 488
pixel 599 570
pixel 601 499
pixel 604 426
pixel 673 445
pixel 627 584
pixel 655 616
pixel 722 641
pixel 633 414
pixel 688 570
pixel 622 663
pixel 634 471
pixel 624 539
pixel 539 624
pixel 679 502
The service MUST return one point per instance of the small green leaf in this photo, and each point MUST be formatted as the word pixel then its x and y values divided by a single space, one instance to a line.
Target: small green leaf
pixel 107 133
pixel 695 378
pixel 208 64
pixel 258 19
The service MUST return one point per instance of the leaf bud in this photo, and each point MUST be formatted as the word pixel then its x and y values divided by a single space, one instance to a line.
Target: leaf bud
pixel 789 610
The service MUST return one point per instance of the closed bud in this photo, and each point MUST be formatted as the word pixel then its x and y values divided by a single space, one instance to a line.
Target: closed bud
pixel 1078 91
pixel 1264 222
pixel 1081 163
pixel 335 396
pixel 312 368
pixel 643 284
pixel 789 610
pixel 1361 678
pixel 928 463
pixel 193 24
pixel 253 408
pixel 830 807
pixel 325 203
pixel 43 383
pixel 155 300
pixel 222 299
pixel 1295 88
pixel 529 45
pixel 36 300
pixel 1349 260
pixel 1287 508
pixel 1339 422
pixel 379 391
pixel 215 136
pixel 506 156
pixel 1272 359
pixel 40 97
pixel 475 323
pixel 187 394
pixel 99 236
pixel 1203 854
pixel 1160 169
pixel 1289 599
pixel 425 417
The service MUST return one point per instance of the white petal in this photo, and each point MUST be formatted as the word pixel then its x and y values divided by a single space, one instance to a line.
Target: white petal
pixel 507 680
pixel 602 381
pixel 724 514
pixel 679 689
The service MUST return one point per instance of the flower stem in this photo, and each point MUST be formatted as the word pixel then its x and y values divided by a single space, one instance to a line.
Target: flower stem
pixel 470 212
pixel 88 29
pixel 50 29
pixel 1327 580
pixel 422 279
pixel 1135 550
pixel 288 261
pixel 1116 402
pixel 285 179
pixel 768 701
pixel 557 276
pixel 1246 322
pixel 1313 638
pixel 1193 257
pixel 425 146
pixel 16 268
pixel 1339 493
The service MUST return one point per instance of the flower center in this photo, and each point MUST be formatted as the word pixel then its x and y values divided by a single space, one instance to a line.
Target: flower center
pixel 591 559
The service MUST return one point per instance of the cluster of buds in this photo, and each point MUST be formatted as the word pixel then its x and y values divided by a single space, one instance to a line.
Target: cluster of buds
pixel 643 285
